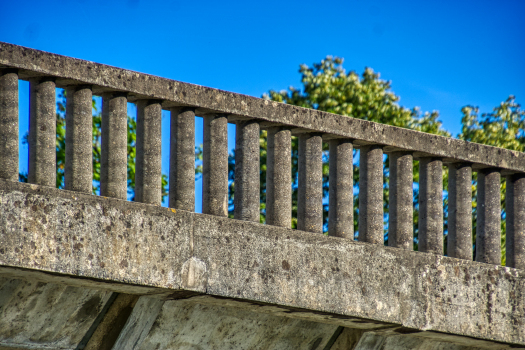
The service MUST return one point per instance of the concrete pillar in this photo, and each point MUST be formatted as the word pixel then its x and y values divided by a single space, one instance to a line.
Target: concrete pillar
pixel 42 133
pixel 9 124
pixel 488 223
pixel 401 204
pixel 341 189
pixel 114 147
pixel 182 159
pixel 515 208
pixel 148 167
pixel 459 241
pixel 431 205
pixel 79 139
pixel 215 166
pixel 310 185
pixel 279 177
pixel 371 194
pixel 247 169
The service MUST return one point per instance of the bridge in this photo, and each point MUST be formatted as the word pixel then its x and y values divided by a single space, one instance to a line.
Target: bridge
pixel 80 271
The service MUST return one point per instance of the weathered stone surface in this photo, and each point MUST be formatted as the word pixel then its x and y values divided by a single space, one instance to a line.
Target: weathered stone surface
pixel 9 124
pixel 148 168
pixel 45 315
pixel 515 208
pixel 184 324
pixel 488 224
pixel 42 133
pixel 114 147
pixel 182 159
pixel 341 187
pixel 401 212
pixel 78 174
pixel 371 222
pixel 106 78
pixel 431 205
pixel 299 274
pixel 459 236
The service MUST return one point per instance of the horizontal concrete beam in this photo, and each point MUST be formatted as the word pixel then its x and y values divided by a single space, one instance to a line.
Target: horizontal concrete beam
pixel 104 78
pixel 112 243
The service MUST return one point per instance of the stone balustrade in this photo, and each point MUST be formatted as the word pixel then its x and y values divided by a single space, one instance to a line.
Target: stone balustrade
pixel 83 79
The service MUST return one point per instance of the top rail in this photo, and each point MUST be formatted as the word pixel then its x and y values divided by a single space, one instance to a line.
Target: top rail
pixel 68 71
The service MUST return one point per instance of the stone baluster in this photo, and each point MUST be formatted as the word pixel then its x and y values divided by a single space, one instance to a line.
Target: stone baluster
pixel 247 168
pixel 310 185
pixel 431 205
pixel 42 132
pixel 488 223
pixel 182 159
pixel 371 194
pixel 401 206
pixel 9 124
pixel 114 147
pixel 79 139
pixel 515 210
pixel 279 177
pixel 341 189
pixel 215 165
pixel 459 241
pixel 148 168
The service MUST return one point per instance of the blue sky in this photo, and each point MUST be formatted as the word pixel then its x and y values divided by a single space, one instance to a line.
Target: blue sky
pixel 439 55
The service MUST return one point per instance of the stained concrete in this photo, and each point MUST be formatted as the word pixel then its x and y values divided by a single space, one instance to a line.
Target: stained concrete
pixel 174 93
pixel 117 245
pixel 9 124
pixel 42 133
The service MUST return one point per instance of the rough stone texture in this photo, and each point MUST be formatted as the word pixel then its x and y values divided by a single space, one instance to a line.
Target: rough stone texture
pixel 341 189
pixel 279 177
pixel 42 133
pixel 139 323
pixel 78 174
pixel 371 194
pixel 182 159
pixel 310 184
pixel 46 315
pixel 401 212
pixel 184 324
pixel 109 242
pixel 215 166
pixel 8 124
pixel 111 323
pixel 431 205
pixel 459 244
pixel 114 147
pixel 515 208
pixel 488 223
pixel 106 78
pixel 247 168
pixel 148 167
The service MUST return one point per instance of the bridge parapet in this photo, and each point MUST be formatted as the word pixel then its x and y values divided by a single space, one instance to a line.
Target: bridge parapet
pixel 216 256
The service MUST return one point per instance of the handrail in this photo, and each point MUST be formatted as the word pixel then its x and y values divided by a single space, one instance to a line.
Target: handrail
pixel 184 100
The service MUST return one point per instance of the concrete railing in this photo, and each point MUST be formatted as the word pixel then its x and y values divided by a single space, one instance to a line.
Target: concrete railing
pixel 83 79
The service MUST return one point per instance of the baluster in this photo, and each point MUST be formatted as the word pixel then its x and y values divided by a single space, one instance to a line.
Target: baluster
pixel 215 165
pixel 9 124
pixel 148 169
pixel 79 139
pixel 488 224
pixel 42 132
pixel 431 205
pixel 515 209
pixel 310 185
pixel 182 159
pixel 341 189
pixel 459 241
pixel 279 177
pixel 400 214
pixel 247 167
pixel 114 147
pixel 371 194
